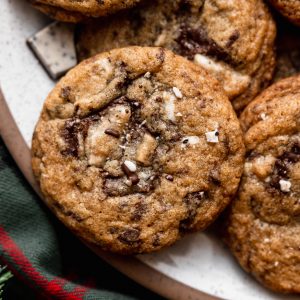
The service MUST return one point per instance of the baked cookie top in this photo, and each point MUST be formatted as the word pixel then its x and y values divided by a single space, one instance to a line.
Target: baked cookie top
pixel 136 146
pixel 76 11
pixel 288 8
pixel 264 225
pixel 233 40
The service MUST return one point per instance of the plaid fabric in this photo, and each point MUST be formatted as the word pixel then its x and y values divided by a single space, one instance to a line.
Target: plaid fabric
pixel 43 255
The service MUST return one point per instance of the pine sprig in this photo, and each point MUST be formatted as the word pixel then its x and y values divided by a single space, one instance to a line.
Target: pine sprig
pixel 4 277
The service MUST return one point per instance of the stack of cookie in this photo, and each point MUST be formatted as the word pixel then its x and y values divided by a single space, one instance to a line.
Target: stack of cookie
pixel 141 144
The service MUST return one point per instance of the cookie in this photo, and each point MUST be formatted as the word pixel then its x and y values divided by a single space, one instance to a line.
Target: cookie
pixel 233 40
pixel 135 147
pixel 263 229
pixel 289 9
pixel 76 11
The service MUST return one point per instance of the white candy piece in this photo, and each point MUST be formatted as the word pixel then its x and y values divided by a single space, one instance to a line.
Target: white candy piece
pixel 169 106
pixel 55 49
pixel 233 81
pixel 130 165
pixel 212 136
pixel 177 92
pixel 190 140
pixel 285 185
pixel 208 63
pixel 263 116
pixel 147 75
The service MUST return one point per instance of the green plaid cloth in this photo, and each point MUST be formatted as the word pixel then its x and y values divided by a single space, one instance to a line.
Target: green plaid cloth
pixel 47 261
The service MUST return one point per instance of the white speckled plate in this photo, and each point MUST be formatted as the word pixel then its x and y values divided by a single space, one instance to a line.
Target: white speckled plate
pixel 195 267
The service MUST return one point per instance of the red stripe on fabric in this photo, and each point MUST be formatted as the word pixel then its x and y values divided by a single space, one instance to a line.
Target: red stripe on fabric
pixel 80 291
pixel 16 254
pixel 16 273
pixel 88 284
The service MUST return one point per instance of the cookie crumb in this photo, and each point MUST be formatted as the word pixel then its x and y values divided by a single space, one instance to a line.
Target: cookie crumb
pixel 285 185
pixel 177 92
pixel 212 136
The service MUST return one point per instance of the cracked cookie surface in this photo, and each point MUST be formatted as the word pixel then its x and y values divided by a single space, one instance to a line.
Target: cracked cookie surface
pixel 263 229
pixel 233 40
pixel 136 147
pixel 75 11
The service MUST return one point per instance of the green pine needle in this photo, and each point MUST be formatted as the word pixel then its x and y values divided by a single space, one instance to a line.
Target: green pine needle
pixel 4 277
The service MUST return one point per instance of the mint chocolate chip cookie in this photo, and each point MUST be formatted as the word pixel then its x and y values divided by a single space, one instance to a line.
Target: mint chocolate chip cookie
pixel 263 229
pixel 76 11
pixel 136 147
pixel 233 40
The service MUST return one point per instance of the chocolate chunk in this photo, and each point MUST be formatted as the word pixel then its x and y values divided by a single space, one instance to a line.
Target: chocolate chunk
pixel 112 132
pixel 70 132
pixel 139 210
pixel 130 236
pixel 54 47
pixel 134 178
pixel 233 38
pixel 192 202
pixel 65 93
pixel 130 174
pixel 67 212
pixel 282 165
pixel 196 41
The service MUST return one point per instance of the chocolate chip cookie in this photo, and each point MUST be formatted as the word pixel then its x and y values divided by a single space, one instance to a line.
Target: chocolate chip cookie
pixel 233 40
pixel 135 147
pixel 263 229
pixel 288 8
pixel 76 11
